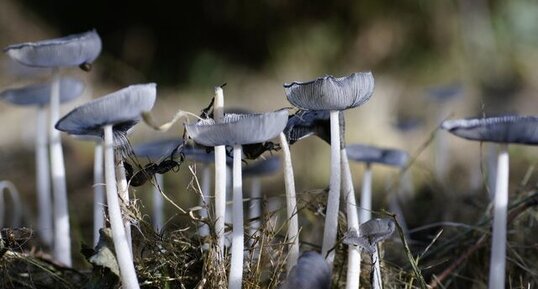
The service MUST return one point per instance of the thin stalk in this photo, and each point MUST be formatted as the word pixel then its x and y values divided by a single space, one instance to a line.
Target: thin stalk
pixel 366 194
pixel 121 244
pixel 333 201
pixel 498 246
pixel 220 174
pixel 17 205
pixel 291 206
pixel 158 203
pixel 353 253
pixel 44 198
pixel 236 265
pixel 255 207
pixel 99 192
pixel 206 184
pixel 62 234
pixel 123 192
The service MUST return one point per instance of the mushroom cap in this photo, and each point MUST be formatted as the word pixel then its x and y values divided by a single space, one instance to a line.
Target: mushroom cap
pixel 121 109
pixel 445 93
pixel 371 233
pixel 371 154
pixel 39 94
pixel 156 149
pixel 330 93
pixel 262 167
pixel 238 129
pixel 72 50
pixel 305 123
pixel 311 272
pixel 499 129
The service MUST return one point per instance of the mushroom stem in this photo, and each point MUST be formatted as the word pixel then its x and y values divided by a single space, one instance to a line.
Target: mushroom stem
pixel 206 184
pixel 123 192
pixel 333 201
pixel 99 192
pixel 236 265
pixel 121 244
pixel 353 254
pixel 62 236
pixel 366 194
pixel 220 174
pixel 377 281
pixel 158 203
pixel 44 200
pixel 291 205
pixel 254 210
pixel 498 247
pixel 17 205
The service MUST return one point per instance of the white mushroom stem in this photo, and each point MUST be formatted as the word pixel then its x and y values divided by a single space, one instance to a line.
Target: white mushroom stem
pixel 158 203
pixel 254 209
pixel 44 198
pixel 99 192
pixel 236 264
pixel 333 201
pixel 353 253
pixel 366 194
pixel 498 246
pixel 62 235
pixel 377 281
pixel 220 174
pixel 291 205
pixel 121 244
pixel 123 192
pixel 17 206
pixel 206 184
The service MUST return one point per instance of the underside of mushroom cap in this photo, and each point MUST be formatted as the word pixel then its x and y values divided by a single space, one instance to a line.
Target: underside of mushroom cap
pixel 122 109
pixel 39 94
pixel 158 149
pixel 330 93
pixel 72 50
pixel 262 167
pixel 499 129
pixel 238 129
pixel 372 154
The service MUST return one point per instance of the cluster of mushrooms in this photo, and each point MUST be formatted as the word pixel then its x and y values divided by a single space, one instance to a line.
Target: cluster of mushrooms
pixel 321 103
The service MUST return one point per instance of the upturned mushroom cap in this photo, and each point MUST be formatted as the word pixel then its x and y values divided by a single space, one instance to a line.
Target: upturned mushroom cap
pixel 238 129
pixel 39 94
pixel 330 93
pixel 311 272
pixel 121 109
pixel 445 93
pixel 72 50
pixel 371 233
pixel 157 149
pixel 263 167
pixel 499 129
pixel 371 154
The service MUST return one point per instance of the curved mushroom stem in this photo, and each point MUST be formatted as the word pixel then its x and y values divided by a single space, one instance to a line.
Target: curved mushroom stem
pixel 353 253
pixel 377 281
pixel 254 209
pixel 62 234
pixel 498 246
pixel 123 192
pixel 333 201
pixel 366 194
pixel 99 192
pixel 17 206
pixel 206 184
pixel 158 203
pixel 236 265
pixel 291 205
pixel 44 200
pixel 220 174
pixel 121 244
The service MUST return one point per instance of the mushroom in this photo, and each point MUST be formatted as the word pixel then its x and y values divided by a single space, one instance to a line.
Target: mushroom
pixel 332 94
pixel 39 95
pixel 110 117
pixel 73 50
pixel 236 130
pixel 311 272
pixel 503 130
pixel 17 205
pixel 371 233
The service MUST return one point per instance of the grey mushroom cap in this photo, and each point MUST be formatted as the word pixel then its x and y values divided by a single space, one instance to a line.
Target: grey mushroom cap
pixel 306 123
pixel 311 272
pixel 372 154
pixel 238 129
pixel 122 109
pixel 330 93
pixel 39 94
pixel 371 233
pixel 445 93
pixel 72 50
pixel 499 129
pixel 157 149
pixel 263 167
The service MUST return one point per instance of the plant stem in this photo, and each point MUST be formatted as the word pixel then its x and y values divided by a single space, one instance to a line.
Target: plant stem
pixel 498 246
pixel 44 198
pixel 99 192
pixel 123 192
pixel 291 206
pixel 121 244
pixel 62 234
pixel 220 174
pixel 206 184
pixel 158 203
pixel 236 265
pixel 366 194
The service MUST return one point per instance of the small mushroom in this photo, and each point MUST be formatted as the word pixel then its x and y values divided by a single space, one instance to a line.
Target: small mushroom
pixel 17 205
pixel 311 272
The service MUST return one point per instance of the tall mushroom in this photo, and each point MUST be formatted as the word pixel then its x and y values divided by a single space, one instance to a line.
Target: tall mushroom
pixel 110 117
pixel 70 51
pixel 38 95
pixel 335 95
pixel 236 130
pixel 503 130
